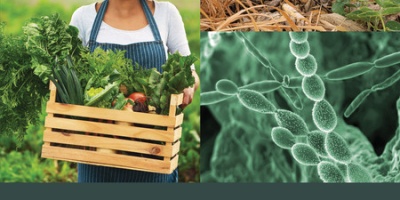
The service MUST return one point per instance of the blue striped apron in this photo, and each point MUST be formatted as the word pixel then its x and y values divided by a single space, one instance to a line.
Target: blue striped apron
pixel 149 55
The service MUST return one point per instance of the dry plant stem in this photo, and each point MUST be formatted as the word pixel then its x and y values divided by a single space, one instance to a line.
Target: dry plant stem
pixel 252 19
pixel 234 17
pixel 206 16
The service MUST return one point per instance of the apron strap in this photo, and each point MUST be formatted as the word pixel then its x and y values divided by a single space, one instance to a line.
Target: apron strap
pixel 151 20
pixel 99 19
pixel 96 24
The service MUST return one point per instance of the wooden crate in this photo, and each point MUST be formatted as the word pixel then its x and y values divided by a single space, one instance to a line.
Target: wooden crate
pixel 113 138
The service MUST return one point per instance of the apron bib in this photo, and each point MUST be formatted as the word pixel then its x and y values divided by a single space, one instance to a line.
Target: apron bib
pixel 149 55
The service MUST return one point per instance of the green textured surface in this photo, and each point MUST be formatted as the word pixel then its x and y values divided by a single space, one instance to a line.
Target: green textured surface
pixel 236 142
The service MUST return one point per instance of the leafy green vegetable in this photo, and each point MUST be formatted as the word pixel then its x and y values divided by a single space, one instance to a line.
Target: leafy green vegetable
pixel 176 76
pixel 121 101
pixel 49 38
pixel 101 97
pixel 21 92
pixel 69 89
pixel 103 67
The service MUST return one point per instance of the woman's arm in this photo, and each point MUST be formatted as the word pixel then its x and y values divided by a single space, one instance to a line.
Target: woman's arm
pixel 177 41
pixel 188 93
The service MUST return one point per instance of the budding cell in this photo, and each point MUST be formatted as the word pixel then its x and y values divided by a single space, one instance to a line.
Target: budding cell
pixel 357 102
pixel 286 81
pixel 298 37
pixel 388 60
pixel 293 98
pixel 324 116
pixel 263 86
pixel 255 101
pixel 306 66
pixel 349 71
pixel 282 137
pixel 299 50
pixel 227 87
pixel 212 97
pixel 305 155
pixel 337 148
pixel 291 121
pixel 329 173
pixel 313 87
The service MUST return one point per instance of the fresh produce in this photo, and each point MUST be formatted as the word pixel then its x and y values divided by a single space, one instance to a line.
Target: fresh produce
pixel 138 97
pixel 176 76
pixel 21 91
pixel 66 80
pixel 50 40
pixel 140 104
pixel 50 49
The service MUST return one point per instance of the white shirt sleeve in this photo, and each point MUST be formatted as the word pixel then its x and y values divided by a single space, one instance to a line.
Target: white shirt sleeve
pixel 177 40
pixel 76 20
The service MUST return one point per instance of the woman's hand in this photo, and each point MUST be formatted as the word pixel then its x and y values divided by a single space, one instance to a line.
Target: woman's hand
pixel 188 93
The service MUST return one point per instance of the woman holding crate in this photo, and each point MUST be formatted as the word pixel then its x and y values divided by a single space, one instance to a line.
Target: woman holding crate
pixel 147 30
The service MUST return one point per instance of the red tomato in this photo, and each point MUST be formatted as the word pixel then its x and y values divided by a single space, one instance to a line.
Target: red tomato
pixel 138 97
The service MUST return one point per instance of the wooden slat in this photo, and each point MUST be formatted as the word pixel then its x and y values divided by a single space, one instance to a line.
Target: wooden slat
pixel 52 96
pixel 175 148
pixel 111 129
pixel 111 160
pixel 179 119
pixel 174 163
pixel 52 86
pixel 109 143
pixel 177 134
pixel 109 114
pixel 176 99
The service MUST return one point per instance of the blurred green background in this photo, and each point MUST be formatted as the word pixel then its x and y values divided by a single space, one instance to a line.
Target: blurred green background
pixel 22 163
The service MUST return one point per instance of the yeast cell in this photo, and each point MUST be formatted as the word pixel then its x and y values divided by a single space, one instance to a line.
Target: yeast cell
pixel 304 154
pixel 306 66
pixel 291 121
pixel 329 173
pixel 298 37
pixel 282 137
pixel 337 148
pixel 387 82
pixel 324 116
pixel 358 173
pixel 316 139
pixel 299 50
pixel 357 102
pixel 255 101
pixel 349 71
pixel 227 87
pixel 253 50
pixel 388 60
pixel 263 86
pixel 286 81
pixel 313 87
pixel 212 97
pixel 295 82
pixel 292 97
